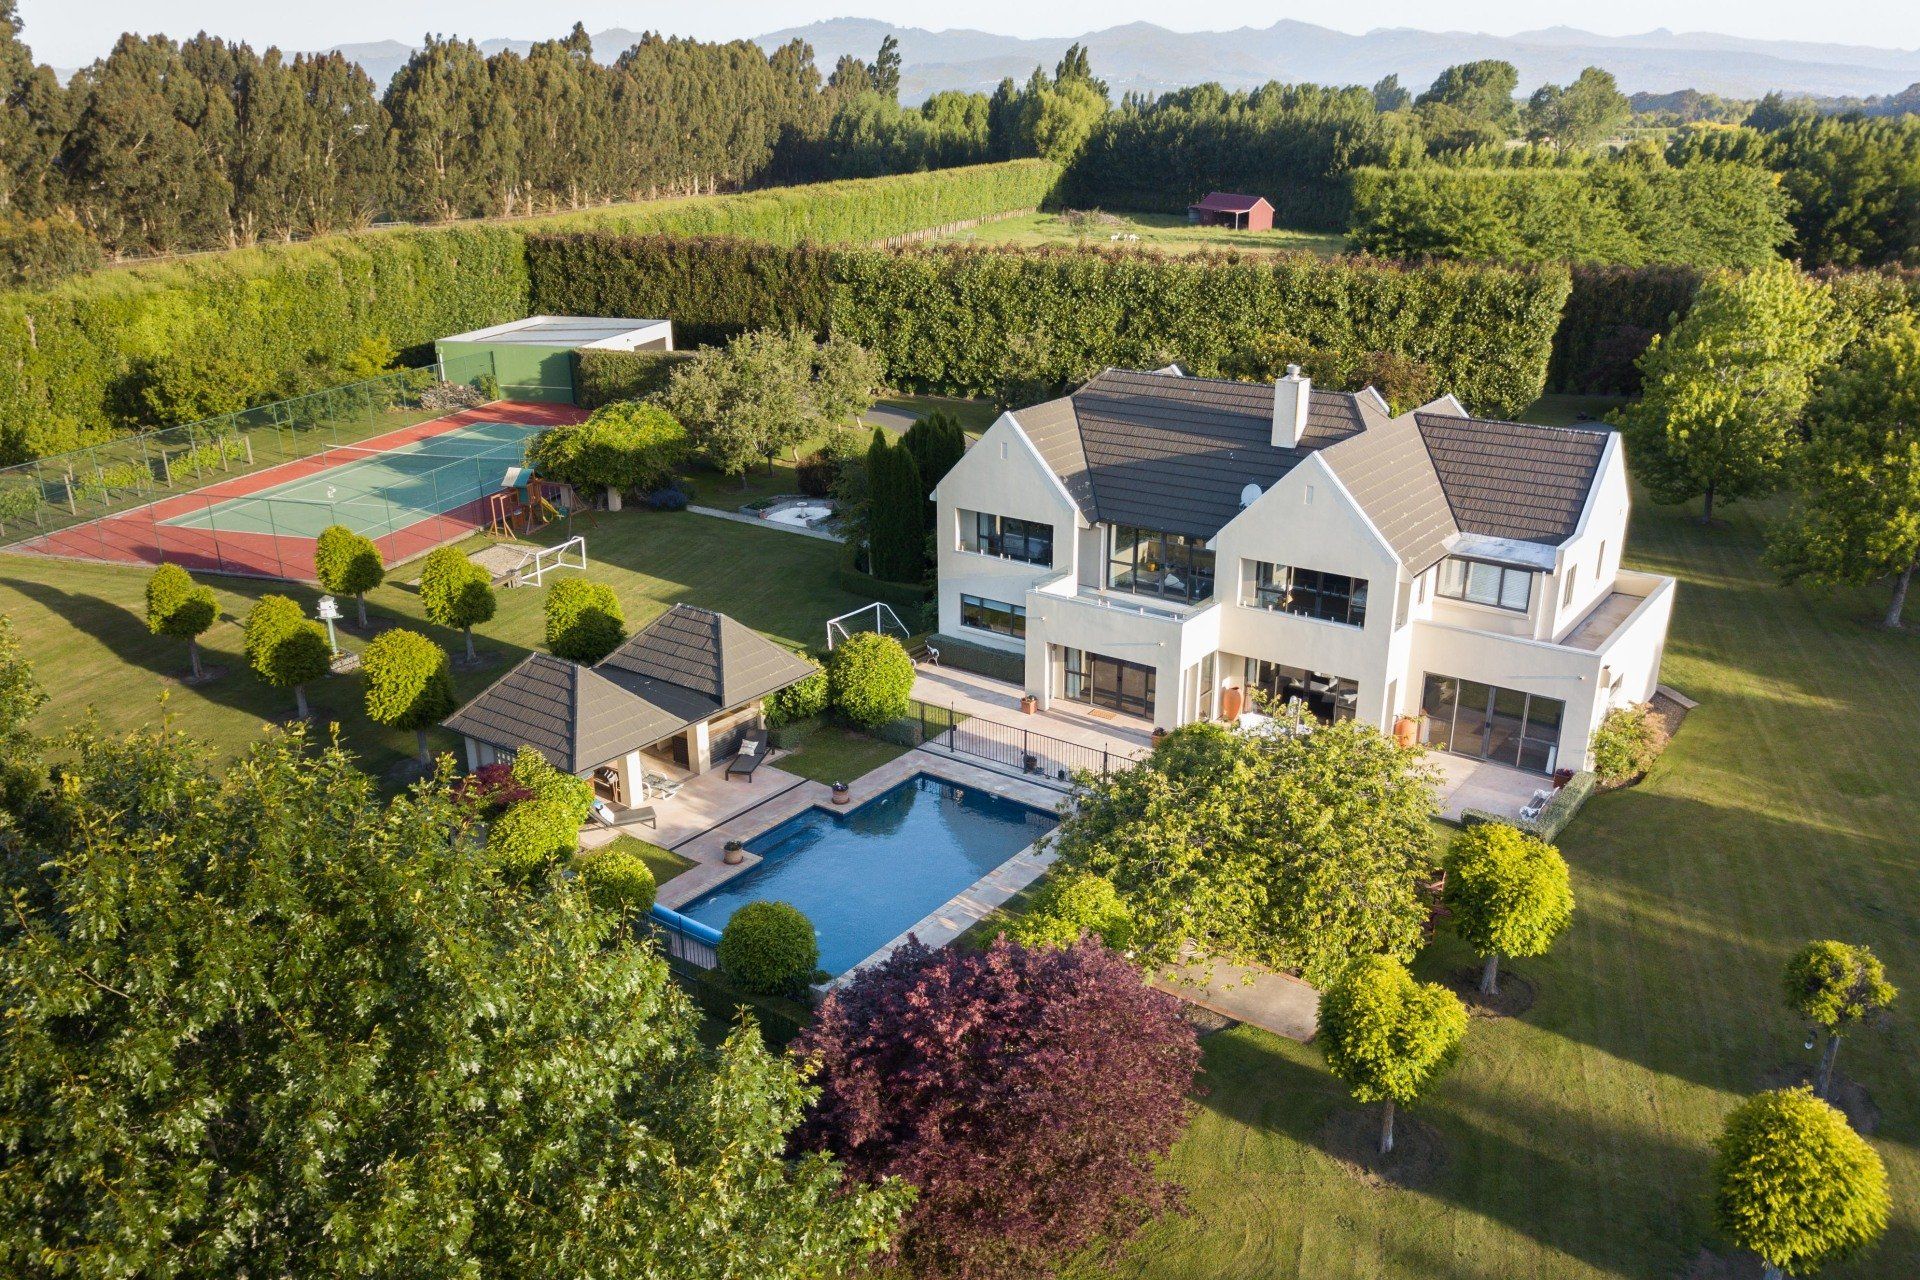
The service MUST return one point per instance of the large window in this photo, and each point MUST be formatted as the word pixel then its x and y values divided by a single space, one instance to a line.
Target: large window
pixel 996 616
pixel 1484 720
pixel 1332 597
pixel 1146 562
pixel 1482 583
pixel 1006 537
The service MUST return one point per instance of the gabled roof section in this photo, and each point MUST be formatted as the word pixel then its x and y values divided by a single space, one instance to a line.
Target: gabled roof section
pixel 1228 202
pixel 1173 453
pixel 1390 475
pixel 703 653
pixel 1512 479
pixel 686 666
pixel 573 716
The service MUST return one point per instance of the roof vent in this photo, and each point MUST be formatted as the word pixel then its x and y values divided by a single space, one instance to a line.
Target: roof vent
pixel 1249 495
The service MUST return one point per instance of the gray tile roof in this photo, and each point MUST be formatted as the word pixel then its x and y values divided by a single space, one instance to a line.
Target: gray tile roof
pixel 1174 454
pixel 1513 479
pixel 686 666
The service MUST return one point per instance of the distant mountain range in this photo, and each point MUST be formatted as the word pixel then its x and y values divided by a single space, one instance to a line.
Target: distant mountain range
pixel 1140 55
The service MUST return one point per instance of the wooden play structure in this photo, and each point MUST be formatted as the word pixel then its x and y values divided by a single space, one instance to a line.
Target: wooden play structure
pixel 526 503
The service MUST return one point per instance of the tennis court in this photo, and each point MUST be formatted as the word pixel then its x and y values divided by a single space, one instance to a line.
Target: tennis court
pixel 412 489
pixel 378 491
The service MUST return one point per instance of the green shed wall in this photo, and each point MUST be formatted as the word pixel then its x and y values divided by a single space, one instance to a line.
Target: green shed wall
pixel 524 372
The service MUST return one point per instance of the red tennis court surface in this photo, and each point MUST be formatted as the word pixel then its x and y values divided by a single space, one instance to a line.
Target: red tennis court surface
pixel 142 536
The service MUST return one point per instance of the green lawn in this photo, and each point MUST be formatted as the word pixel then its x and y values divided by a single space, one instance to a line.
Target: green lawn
pixel 83 625
pixel 664 863
pixel 1168 232
pixel 1578 1136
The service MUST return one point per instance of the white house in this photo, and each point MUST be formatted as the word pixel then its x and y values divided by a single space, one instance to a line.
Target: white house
pixel 1163 546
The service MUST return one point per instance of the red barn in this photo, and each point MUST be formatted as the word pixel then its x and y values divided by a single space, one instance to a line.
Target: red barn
pixel 1223 209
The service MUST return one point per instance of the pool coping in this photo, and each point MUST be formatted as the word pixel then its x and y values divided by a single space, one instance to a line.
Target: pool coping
pixel 935 929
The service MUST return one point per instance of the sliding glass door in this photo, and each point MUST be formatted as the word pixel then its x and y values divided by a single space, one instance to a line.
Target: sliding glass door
pixel 1503 725
pixel 1127 687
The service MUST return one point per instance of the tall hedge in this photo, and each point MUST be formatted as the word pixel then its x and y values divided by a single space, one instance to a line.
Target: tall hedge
pixel 603 377
pixel 263 323
pixel 952 319
pixel 1612 313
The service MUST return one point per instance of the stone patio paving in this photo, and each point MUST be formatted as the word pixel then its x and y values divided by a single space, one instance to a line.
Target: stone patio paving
pixel 1481 784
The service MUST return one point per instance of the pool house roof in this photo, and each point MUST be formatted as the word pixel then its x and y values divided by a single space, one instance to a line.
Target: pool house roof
pixel 687 666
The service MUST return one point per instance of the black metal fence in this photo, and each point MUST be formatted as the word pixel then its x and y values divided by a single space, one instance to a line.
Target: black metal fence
pixel 1042 757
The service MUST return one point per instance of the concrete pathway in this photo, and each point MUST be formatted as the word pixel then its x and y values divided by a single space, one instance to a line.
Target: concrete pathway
pixel 1260 997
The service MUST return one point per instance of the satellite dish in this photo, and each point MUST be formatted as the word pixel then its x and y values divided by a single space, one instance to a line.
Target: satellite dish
pixel 1249 495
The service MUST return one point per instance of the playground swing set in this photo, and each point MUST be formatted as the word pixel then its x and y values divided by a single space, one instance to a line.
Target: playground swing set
pixel 526 503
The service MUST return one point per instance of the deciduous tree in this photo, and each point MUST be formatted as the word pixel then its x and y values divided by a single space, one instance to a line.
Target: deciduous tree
pixel 179 607
pixel 584 621
pixel 1508 893
pixel 286 648
pixel 173 1068
pixel 1857 517
pixel 1835 986
pixel 1030 1093
pixel 1386 1036
pixel 1725 390
pixel 409 684
pixel 348 563
pixel 1294 852
pixel 456 592
pixel 1796 1185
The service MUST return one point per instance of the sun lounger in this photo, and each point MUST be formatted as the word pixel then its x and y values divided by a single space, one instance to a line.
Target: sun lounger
pixel 753 749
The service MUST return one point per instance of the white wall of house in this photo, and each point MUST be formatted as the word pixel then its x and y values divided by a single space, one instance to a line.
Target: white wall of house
pixel 1002 474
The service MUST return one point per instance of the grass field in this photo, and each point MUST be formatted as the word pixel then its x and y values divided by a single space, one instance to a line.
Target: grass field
pixel 1577 1137
pixel 83 625
pixel 1167 232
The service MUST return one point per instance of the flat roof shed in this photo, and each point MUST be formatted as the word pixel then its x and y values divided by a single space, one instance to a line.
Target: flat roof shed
pixel 532 359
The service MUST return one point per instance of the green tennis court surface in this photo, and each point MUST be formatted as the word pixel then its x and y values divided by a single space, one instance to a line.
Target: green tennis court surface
pixel 377 493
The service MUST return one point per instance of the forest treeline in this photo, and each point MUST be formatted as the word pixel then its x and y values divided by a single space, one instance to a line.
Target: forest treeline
pixel 164 145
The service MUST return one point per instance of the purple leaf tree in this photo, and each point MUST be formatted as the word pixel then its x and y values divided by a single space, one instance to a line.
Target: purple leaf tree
pixel 1030 1094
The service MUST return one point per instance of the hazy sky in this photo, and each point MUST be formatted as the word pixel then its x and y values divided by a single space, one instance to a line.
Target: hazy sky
pixel 73 32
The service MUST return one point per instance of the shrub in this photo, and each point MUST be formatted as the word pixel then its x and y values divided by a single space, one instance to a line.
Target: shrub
pixel 668 499
pixel 604 377
pixel 618 879
pixel 1069 905
pixel 285 647
pixel 1508 893
pixel 1795 1184
pixel 1031 1093
pixel 538 775
pixel 532 836
pixel 799 701
pixel 870 679
pixel 624 447
pixel 769 949
pixel 816 474
pixel 493 787
pixel 409 684
pixel 584 622
pixel 347 563
pixel 1626 744
pixel 36 252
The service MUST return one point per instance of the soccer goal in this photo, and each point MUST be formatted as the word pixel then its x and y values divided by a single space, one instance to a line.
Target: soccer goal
pixel 872 617
pixel 540 561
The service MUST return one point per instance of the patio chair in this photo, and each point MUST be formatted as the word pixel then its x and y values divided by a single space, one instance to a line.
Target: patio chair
pixel 660 786
pixel 753 750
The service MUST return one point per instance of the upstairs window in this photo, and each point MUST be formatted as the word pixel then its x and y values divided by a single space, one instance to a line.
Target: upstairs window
pixel 1331 597
pixel 1027 541
pixel 1147 562
pixel 1478 582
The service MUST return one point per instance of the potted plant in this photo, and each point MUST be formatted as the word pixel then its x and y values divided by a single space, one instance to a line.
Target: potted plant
pixel 735 853
pixel 841 793
pixel 1029 703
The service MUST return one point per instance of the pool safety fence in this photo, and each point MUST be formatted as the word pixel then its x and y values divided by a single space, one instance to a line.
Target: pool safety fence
pixel 683 940
pixel 1054 762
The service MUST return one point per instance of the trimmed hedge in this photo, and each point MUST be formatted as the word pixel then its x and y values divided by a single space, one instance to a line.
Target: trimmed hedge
pixel 769 949
pixel 603 377
pixel 965 655
pixel 618 879
pixel 957 320
pixel 584 621
pixel 237 328
pixel 1612 313
pixel 830 212
pixel 1554 816
pixel 870 679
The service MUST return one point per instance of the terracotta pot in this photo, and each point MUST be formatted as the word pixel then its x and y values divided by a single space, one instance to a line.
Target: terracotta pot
pixel 1406 730
pixel 735 853
pixel 841 794
pixel 1232 702
pixel 1029 704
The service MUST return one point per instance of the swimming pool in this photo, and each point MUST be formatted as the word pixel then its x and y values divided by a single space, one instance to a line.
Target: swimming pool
pixel 866 876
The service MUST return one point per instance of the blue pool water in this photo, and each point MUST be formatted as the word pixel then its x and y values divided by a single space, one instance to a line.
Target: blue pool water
pixel 868 875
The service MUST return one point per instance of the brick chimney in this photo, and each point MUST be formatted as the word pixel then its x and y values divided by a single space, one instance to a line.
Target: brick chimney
pixel 1290 396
